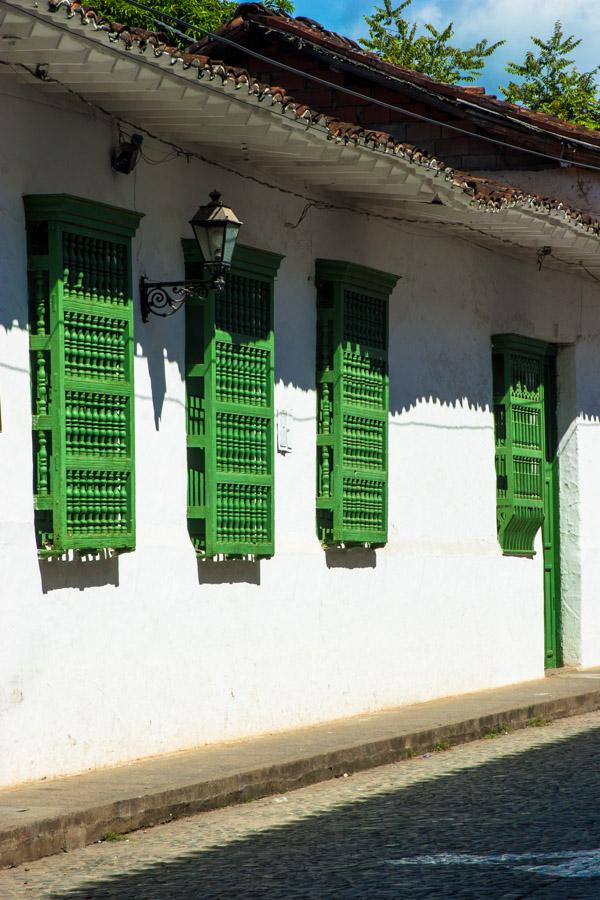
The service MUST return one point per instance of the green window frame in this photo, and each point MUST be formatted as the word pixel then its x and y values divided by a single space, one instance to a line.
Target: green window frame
pixel 81 353
pixel 522 374
pixel 230 408
pixel 352 403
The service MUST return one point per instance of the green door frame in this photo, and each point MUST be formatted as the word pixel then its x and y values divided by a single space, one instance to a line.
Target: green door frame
pixel 551 526
pixel 519 393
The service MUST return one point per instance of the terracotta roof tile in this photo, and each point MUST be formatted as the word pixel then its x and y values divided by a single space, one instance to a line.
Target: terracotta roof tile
pixel 484 192
pixel 310 31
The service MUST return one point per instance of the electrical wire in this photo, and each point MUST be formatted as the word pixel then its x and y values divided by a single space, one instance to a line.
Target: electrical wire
pixel 565 262
pixel 135 127
pixel 310 202
pixel 158 162
pixel 159 16
pixel 151 162
pixel 308 206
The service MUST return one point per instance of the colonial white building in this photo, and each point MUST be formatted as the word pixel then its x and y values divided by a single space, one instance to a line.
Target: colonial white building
pixel 286 503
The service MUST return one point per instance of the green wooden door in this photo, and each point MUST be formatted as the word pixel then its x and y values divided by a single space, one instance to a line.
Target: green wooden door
pixel 550 528
pixel 526 467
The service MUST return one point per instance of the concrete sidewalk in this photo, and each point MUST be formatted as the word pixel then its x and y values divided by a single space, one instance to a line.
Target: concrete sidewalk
pixel 46 817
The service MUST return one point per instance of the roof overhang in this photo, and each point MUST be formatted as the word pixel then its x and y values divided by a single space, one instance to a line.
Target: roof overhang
pixel 207 108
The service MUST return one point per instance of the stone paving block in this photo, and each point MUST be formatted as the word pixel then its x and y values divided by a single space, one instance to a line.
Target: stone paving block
pixel 48 817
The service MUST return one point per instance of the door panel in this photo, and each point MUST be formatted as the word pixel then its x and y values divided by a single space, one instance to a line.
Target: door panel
pixel 524 397
pixel 550 528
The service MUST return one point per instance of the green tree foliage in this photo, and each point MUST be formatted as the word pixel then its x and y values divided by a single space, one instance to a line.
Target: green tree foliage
pixel 551 83
pixel 395 39
pixel 206 14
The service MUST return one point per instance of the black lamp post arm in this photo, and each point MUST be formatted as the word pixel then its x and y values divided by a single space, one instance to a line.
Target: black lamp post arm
pixel 163 298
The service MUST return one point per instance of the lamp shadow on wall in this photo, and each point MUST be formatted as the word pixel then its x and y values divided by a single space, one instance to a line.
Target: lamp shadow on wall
pixel 158 383
pixel 79 573
pixel 158 342
pixel 230 571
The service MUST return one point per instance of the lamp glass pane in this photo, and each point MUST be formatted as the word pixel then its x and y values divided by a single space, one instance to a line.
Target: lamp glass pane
pixel 231 233
pixel 201 234
pixel 215 241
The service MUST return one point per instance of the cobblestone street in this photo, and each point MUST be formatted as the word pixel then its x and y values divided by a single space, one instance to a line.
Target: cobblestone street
pixel 512 816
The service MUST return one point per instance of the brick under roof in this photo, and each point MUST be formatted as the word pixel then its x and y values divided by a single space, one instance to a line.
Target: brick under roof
pixel 302 30
pixel 484 192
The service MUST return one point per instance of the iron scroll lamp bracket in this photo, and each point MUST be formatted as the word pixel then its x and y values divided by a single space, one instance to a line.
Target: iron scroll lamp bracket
pixel 164 298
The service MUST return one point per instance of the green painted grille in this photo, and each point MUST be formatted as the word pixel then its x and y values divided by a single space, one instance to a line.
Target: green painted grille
pixel 365 320
pixel 98 502
pixel 242 443
pixel 243 373
pixel 97 424
pixel 95 270
pixel 526 427
pixel 244 514
pixel 81 325
pixel 364 443
pixel 352 404
pixel 365 380
pixel 96 347
pixel 230 386
pixel 520 369
pixel 363 504
pixel 245 308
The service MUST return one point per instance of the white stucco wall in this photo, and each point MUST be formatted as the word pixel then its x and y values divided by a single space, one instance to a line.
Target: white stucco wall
pixel 151 652
pixel 579 415
pixel 586 427
pixel 569 428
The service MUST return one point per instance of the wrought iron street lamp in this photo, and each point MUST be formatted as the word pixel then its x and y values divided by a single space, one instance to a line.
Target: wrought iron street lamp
pixel 215 228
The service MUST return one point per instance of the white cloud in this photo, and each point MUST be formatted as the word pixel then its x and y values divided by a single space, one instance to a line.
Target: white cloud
pixel 513 20
pixel 428 12
pixel 516 21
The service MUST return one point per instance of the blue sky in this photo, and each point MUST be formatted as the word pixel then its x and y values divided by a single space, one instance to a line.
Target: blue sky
pixel 514 20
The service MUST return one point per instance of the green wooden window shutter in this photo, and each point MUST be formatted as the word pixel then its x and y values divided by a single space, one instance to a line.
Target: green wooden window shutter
pixel 230 421
pixel 81 343
pixel 352 403
pixel 520 378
